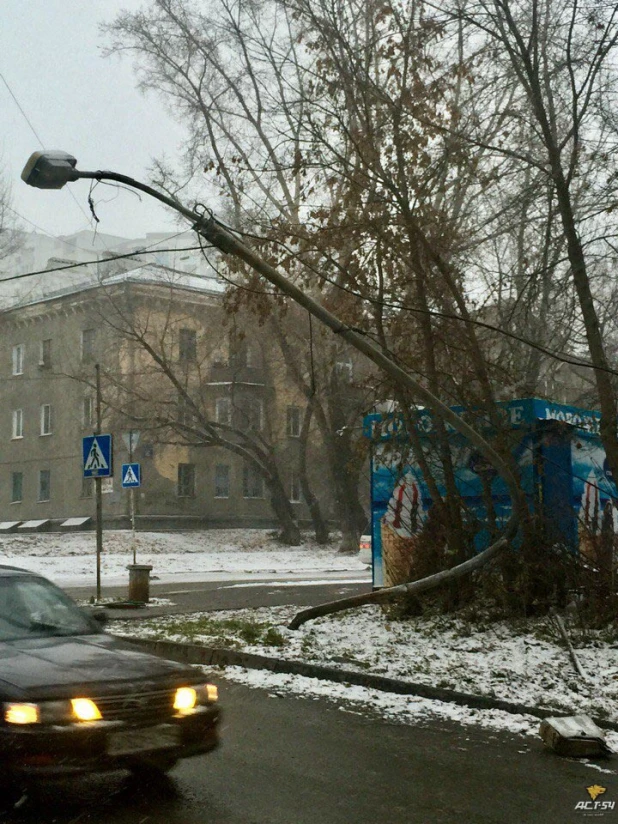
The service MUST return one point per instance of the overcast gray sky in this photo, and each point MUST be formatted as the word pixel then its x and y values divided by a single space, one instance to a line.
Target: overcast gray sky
pixel 50 56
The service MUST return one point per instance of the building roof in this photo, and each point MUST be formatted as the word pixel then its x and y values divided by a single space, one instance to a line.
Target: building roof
pixel 79 279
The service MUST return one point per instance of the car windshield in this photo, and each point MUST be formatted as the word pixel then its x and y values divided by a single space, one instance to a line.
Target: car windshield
pixel 34 608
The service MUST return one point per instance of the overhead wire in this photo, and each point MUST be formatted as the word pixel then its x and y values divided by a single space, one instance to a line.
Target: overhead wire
pixel 226 279
pixel 554 354
pixel 470 412
pixel 96 261
pixel 64 240
pixel 37 136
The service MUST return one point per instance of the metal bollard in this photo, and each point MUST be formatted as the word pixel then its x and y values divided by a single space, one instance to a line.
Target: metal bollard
pixel 139 583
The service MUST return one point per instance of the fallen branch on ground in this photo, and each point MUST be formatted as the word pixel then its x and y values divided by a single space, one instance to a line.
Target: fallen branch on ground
pixel 381 596
pixel 576 663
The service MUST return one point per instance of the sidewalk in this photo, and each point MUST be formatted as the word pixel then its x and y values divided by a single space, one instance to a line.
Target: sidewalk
pixel 223 592
pixel 217 657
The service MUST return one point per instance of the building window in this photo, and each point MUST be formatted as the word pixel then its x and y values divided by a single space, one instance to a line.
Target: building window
pixel 17 487
pixel 256 414
pixel 45 354
pixel 187 346
pixel 345 368
pixel 46 419
pixel 44 484
pixel 222 481
pixel 251 414
pixel 252 356
pixel 220 356
pixel 293 421
pixel 295 490
pixel 184 412
pixel 223 411
pixel 18 423
pixel 88 341
pixel 88 411
pixel 252 482
pixel 87 487
pixel 18 359
pixel 186 480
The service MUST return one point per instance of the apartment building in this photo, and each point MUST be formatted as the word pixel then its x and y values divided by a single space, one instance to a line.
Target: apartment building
pixel 49 349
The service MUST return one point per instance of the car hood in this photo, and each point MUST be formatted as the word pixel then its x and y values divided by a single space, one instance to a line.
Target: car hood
pixel 44 667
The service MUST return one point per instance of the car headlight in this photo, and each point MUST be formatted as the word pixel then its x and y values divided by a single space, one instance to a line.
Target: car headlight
pixel 207 694
pixel 187 699
pixel 52 712
pixel 21 713
pixel 85 710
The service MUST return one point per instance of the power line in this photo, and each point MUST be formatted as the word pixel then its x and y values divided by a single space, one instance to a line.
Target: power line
pixel 103 260
pixel 552 353
pixel 23 113
pixel 36 134
pixel 144 249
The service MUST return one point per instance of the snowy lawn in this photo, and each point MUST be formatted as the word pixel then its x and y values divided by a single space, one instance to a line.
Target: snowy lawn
pixel 69 559
pixel 524 662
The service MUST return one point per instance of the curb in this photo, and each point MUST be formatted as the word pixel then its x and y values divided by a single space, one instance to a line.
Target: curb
pixel 219 657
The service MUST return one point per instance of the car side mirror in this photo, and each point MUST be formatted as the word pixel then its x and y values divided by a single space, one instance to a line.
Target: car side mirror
pixel 99 615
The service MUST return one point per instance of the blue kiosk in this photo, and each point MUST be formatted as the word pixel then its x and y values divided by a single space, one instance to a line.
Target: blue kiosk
pixel 561 461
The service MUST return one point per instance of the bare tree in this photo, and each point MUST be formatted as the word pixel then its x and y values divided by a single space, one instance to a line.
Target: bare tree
pixel 236 75
pixel 442 175
pixel 10 240
pixel 168 341
pixel 558 59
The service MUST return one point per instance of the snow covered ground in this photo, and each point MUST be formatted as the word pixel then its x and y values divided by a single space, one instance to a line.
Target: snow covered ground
pixel 524 662
pixel 69 559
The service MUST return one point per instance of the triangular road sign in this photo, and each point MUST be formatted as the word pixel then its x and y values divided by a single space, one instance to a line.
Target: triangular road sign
pixel 96 459
pixel 129 477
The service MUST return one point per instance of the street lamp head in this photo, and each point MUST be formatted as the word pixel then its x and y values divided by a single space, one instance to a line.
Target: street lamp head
pixel 50 169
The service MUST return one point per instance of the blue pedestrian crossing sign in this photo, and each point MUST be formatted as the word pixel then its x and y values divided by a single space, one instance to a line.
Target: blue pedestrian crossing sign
pixel 97 454
pixel 131 475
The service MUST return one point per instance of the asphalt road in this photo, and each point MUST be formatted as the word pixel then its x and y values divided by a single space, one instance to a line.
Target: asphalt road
pixel 233 594
pixel 287 760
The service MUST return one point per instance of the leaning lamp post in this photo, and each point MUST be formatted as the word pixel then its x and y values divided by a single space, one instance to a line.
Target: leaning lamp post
pixel 53 169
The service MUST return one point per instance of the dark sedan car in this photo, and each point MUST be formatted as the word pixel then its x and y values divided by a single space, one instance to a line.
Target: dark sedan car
pixel 75 699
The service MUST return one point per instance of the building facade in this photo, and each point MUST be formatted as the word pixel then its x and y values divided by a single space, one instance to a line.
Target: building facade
pixel 168 365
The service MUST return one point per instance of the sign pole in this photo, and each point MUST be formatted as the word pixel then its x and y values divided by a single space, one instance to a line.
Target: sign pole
pixel 132 499
pixel 97 488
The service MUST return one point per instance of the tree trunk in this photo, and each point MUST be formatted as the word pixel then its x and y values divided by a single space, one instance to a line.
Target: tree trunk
pixel 320 526
pixel 381 596
pixel 290 532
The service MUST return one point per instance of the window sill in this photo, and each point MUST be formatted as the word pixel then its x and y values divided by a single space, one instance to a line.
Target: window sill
pixel 17 438
pixel 45 434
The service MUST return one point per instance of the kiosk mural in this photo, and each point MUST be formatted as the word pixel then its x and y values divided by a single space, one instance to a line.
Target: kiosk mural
pixel 563 473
